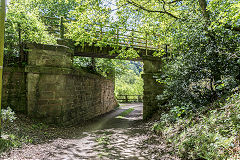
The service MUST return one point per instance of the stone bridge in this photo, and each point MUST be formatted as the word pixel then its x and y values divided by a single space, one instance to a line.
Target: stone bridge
pixel 152 66
pixel 50 89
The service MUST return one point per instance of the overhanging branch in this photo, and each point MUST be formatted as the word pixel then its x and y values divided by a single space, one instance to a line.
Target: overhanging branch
pixel 174 1
pixel 151 11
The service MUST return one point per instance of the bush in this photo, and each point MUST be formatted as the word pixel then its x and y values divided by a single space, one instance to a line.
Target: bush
pixel 203 69
pixel 7 116
pixel 5 144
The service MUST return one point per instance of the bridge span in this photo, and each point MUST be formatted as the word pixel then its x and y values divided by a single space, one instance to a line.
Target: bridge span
pixel 49 88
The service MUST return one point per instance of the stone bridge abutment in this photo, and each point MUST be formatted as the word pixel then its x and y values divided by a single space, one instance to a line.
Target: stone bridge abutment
pixel 50 89
pixel 151 89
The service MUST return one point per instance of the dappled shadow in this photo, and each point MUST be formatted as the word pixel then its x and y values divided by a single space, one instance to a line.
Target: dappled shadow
pixel 110 137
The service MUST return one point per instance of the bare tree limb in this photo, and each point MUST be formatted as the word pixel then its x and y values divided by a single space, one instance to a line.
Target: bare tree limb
pixel 152 11
pixel 174 1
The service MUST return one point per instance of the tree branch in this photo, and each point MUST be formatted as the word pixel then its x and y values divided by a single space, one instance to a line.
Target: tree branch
pixel 203 5
pixel 174 1
pixel 152 11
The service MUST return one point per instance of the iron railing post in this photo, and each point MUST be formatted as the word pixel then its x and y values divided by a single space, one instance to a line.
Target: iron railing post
pixel 20 43
pixel 132 37
pixel 126 98
pixel 117 36
pixel 61 28
pixel 146 43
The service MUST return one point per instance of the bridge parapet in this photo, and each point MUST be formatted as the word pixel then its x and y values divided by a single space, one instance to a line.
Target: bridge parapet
pixel 144 42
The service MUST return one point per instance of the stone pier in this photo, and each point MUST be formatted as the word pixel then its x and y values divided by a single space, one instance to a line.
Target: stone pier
pixel 152 88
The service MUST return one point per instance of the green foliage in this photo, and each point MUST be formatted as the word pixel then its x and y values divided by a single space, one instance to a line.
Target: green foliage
pixel 103 140
pixel 81 62
pixel 103 66
pixel 110 67
pixel 54 8
pixel 90 16
pixel 204 67
pixel 39 126
pixel 130 82
pixel 27 19
pixel 7 115
pixel 213 135
pixel 23 25
pixel 5 144
pixel 224 13
pixel 23 16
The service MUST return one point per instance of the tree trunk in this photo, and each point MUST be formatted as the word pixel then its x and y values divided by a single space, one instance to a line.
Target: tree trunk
pixel 203 5
pixel 2 28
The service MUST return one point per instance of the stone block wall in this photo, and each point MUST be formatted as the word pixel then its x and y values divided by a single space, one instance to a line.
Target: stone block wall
pixel 59 94
pixel 152 68
pixel 14 89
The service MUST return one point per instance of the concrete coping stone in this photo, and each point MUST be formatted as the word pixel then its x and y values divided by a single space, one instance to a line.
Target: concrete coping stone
pixel 49 47
pixel 61 71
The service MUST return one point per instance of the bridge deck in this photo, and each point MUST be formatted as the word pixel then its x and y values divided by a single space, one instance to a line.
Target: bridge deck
pixel 103 52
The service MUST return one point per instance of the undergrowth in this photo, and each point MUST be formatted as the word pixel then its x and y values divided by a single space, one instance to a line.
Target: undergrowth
pixel 18 130
pixel 7 116
pixel 206 134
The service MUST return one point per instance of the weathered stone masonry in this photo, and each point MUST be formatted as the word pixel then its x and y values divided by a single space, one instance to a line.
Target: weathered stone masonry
pixel 49 88
pixel 14 89
pixel 152 69
pixel 56 93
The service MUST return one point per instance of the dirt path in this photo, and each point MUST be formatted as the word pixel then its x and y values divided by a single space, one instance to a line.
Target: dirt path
pixel 110 137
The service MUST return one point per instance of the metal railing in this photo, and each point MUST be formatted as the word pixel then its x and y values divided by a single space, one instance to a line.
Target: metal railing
pixel 114 35
pixel 130 98
pixel 14 50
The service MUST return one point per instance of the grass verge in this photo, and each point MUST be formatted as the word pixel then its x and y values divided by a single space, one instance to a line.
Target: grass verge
pixel 125 113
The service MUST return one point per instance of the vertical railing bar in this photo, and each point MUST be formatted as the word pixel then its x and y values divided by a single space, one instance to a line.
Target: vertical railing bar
pixel 166 49
pixel 101 32
pixel 101 36
pixel 20 43
pixel 146 42
pixel 118 36
pixel 93 63
pixel 61 28
pixel 132 37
